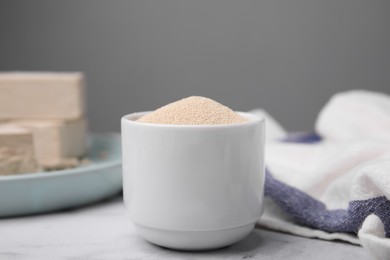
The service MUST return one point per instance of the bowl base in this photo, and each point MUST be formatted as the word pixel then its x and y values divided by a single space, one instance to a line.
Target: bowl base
pixel 194 240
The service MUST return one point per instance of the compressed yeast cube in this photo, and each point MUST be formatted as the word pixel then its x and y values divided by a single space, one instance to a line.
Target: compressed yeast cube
pixel 57 143
pixel 42 95
pixel 16 151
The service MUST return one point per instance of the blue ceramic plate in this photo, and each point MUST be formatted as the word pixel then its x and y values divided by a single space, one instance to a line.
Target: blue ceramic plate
pixel 47 191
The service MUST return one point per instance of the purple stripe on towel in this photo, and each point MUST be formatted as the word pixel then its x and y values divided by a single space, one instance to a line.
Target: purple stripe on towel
pixel 302 137
pixel 310 212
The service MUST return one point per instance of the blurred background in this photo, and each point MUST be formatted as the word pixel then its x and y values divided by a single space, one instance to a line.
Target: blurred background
pixel 287 57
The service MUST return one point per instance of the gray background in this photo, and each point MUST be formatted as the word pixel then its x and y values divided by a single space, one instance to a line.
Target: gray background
pixel 287 57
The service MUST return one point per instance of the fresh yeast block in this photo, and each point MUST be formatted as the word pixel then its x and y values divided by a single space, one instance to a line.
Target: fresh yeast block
pixel 41 95
pixel 57 144
pixel 16 151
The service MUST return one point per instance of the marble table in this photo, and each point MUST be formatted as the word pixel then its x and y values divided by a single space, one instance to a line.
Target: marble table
pixel 101 231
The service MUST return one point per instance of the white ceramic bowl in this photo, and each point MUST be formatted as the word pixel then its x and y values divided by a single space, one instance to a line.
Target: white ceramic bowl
pixel 193 187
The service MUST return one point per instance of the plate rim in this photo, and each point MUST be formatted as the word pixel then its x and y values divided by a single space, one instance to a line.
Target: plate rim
pixel 71 171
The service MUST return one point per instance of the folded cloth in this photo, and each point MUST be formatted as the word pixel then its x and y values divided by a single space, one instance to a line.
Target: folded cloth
pixel 334 184
pixel 355 115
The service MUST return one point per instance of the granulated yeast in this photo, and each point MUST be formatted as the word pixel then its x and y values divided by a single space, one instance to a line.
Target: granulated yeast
pixel 193 111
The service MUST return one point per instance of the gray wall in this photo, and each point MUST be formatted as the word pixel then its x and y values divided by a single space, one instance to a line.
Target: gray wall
pixel 287 57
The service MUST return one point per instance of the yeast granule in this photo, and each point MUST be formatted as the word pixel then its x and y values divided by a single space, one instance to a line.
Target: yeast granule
pixel 193 110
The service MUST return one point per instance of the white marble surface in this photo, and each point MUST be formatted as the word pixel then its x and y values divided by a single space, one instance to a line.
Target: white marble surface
pixel 102 231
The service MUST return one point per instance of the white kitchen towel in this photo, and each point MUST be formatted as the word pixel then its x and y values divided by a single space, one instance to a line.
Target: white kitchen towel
pixel 335 183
